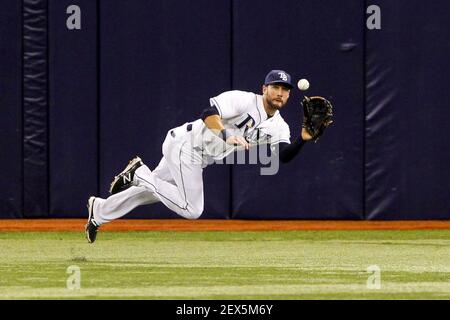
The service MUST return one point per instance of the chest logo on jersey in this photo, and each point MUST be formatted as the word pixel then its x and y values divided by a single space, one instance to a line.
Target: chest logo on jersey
pixel 249 122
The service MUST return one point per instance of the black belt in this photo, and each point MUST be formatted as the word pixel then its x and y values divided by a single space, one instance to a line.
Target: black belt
pixel 188 128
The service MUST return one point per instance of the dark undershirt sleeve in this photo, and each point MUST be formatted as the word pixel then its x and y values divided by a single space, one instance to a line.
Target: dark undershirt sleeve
pixel 288 151
pixel 209 112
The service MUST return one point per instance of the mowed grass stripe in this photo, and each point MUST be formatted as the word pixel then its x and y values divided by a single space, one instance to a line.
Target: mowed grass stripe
pixel 227 265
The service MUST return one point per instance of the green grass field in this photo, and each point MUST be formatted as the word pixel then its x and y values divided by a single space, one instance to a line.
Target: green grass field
pixel 226 265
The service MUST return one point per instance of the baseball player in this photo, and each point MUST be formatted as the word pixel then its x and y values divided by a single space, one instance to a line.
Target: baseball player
pixel 235 120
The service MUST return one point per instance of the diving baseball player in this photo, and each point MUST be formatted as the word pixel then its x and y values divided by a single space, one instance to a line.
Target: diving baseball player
pixel 235 120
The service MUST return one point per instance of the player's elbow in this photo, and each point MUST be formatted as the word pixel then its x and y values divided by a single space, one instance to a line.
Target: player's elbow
pixel 283 153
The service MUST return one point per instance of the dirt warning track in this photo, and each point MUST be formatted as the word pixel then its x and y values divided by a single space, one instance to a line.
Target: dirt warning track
pixel 219 225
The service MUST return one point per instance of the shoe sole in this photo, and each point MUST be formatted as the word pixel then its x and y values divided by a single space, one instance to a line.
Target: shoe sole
pixel 127 168
pixel 90 206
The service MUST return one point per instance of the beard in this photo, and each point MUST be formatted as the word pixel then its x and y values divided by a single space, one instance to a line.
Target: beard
pixel 275 106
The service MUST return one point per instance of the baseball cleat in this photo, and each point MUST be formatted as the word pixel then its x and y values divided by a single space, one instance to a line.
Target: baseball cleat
pixel 91 227
pixel 124 180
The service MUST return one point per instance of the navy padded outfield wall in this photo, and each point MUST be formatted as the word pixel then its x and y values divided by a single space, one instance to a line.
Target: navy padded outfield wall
pixel 11 109
pixel 325 180
pixel 73 109
pixel 161 61
pixel 77 104
pixel 35 108
pixel 408 100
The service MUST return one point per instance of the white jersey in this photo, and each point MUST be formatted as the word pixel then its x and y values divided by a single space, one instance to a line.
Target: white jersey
pixel 242 114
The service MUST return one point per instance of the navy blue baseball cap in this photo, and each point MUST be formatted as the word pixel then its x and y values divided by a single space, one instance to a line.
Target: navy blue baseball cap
pixel 278 76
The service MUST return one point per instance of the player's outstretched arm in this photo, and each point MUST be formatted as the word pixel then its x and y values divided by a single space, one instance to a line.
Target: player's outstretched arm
pixel 212 121
pixel 288 151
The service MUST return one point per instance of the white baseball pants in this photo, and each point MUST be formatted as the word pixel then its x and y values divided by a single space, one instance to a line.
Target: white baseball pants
pixel 177 182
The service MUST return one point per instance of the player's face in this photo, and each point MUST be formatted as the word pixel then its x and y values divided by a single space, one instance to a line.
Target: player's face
pixel 276 95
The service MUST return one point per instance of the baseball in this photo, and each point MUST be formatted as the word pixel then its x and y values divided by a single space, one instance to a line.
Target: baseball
pixel 303 84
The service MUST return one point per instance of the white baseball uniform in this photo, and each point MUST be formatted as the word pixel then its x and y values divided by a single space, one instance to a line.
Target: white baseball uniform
pixel 178 179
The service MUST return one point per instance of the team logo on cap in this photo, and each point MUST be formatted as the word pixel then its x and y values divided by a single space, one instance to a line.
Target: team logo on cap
pixel 283 76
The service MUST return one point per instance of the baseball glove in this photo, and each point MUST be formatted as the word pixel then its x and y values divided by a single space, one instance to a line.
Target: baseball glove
pixel 317 115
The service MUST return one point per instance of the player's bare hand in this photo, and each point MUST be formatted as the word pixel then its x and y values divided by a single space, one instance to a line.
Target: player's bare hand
pixel 238 141
pixel 305 135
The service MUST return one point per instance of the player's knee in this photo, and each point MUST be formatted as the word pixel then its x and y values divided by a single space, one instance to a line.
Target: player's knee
pixel 195 213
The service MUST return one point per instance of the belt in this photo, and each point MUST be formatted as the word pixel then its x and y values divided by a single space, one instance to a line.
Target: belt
pixel 188 128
